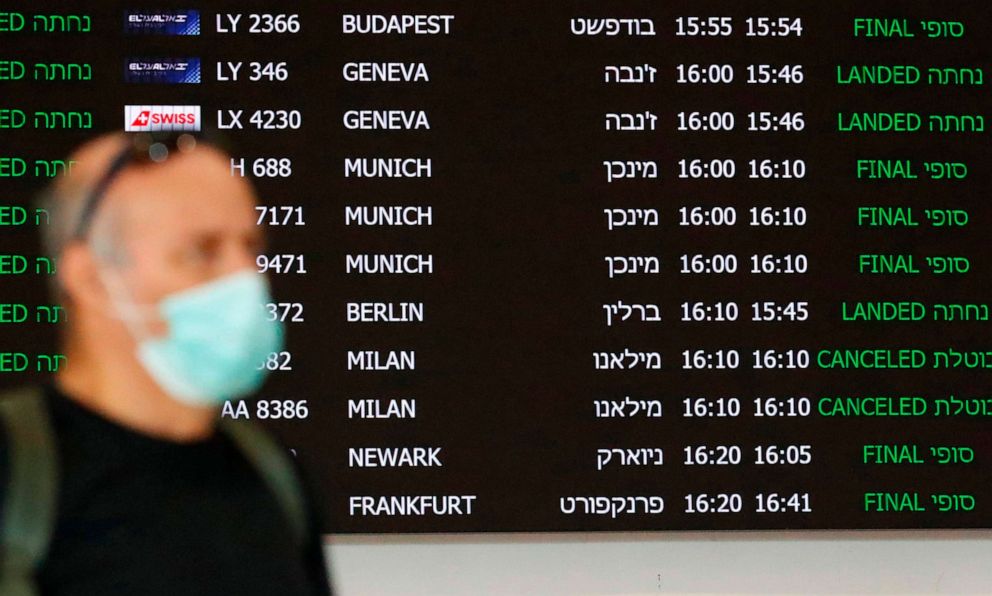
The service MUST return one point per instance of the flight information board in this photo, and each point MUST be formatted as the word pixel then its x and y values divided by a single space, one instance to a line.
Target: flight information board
pixel 572 265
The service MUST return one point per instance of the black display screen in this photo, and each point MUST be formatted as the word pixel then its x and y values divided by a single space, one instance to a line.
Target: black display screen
pixel 556 266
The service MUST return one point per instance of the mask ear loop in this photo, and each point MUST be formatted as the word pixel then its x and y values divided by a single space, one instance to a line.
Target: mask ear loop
pixel 134 316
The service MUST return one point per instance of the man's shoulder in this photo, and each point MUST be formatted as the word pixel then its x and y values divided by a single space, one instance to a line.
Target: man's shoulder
pixel 21 407
pixel 23 404
pixel 23 391
pixel 5 395
pixel 4 466
pixel 12 400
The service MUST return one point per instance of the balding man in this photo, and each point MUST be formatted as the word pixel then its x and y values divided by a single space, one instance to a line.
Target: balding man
pixel 134 483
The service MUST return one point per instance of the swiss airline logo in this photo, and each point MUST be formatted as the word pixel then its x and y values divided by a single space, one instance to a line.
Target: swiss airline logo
pixel 156 118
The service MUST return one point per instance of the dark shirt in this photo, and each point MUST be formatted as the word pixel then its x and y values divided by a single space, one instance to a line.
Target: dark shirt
pixel 141 516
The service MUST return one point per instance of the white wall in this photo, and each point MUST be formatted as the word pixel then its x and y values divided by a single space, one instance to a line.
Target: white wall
pixel 895 562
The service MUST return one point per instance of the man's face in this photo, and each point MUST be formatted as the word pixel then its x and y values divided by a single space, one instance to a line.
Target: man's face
pixel 182 223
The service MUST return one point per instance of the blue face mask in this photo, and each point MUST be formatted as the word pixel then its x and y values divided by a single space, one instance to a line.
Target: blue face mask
pixel 218 340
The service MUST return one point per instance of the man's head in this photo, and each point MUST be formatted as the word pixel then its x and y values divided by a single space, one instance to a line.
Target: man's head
pixel 164 226
pixel 158 229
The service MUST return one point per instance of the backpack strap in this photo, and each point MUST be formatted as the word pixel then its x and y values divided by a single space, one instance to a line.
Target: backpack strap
pixel 272 463
pixel 29 507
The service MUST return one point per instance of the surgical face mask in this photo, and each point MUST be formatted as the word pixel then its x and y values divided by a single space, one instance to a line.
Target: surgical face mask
pixel 218 340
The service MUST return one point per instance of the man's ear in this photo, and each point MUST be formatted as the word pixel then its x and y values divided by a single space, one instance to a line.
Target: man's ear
pixel 77 271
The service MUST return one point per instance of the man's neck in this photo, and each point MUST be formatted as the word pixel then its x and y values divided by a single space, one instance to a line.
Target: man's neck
pixel 120 390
